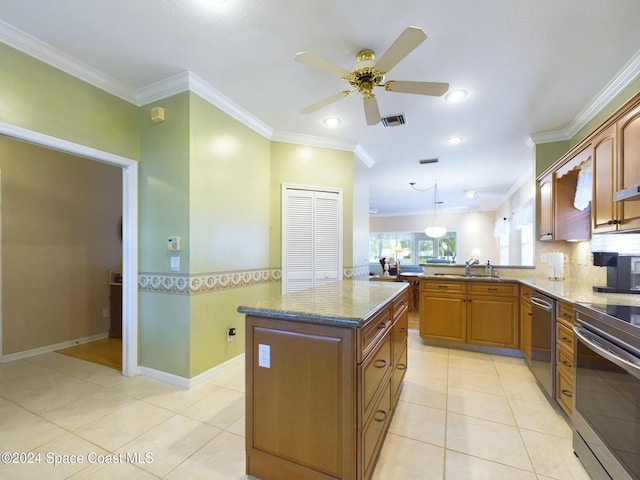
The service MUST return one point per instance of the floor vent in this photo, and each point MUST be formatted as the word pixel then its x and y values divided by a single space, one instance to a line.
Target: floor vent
pixel 394 120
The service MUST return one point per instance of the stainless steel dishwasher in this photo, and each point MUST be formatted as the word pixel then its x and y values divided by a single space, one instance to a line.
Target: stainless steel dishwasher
pixel 543 341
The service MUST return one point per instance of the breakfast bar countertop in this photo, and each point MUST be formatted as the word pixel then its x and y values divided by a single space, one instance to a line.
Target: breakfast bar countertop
pixel 348 303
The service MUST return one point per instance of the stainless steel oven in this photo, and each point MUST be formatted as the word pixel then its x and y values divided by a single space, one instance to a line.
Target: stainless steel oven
pixel 607 391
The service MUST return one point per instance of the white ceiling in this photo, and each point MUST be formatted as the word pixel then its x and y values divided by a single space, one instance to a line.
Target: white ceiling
pixel 530 67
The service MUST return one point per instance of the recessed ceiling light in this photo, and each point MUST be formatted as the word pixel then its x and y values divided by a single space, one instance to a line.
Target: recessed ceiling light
pixel 332 121
pixel 455 95
pixel 454 140
pixel 471 194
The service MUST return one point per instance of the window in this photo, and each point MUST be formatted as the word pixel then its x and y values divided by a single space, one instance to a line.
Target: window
pixel 414 248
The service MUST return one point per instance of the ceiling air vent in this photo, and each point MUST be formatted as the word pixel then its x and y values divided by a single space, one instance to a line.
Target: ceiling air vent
pixel 393 120
pixel 428 160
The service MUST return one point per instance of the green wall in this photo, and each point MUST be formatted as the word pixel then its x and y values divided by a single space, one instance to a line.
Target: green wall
pixel 38 97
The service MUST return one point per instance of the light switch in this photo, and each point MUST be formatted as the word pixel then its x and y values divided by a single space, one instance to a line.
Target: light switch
pixel 175 264
pixel 264 355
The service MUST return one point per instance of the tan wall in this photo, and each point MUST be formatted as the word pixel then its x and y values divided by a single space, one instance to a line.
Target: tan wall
pixel 60 236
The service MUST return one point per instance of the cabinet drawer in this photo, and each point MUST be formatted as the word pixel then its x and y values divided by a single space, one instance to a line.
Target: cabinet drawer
pixel 400 304
pixel 373 331
pixel 399 370
pixel 565 313
pixel 564 337
pixel 565 362
pixel 399 336
pixel 564 393
pixel 494 288
pixel 525 293
pixel 372 373
pixel 372 435
pixel 443 286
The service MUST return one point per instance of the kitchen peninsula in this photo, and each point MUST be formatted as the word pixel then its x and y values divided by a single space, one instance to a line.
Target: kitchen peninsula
pixel 324 368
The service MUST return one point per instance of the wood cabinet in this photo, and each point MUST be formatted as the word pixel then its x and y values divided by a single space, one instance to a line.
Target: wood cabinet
pixel 525 322
pixel 604 213
pixel 559 219
pixel 565 351
pixel 321 406
pixel 545 199
pixel 616 166
pixel 628 167
pixel 473 312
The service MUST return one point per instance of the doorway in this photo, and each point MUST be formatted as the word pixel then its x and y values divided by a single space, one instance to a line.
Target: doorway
pixel 129 232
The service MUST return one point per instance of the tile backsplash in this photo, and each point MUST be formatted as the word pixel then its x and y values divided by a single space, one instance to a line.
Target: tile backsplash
pixel 578 260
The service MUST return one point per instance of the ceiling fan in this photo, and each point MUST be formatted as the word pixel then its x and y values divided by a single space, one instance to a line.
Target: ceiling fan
pixel 368 73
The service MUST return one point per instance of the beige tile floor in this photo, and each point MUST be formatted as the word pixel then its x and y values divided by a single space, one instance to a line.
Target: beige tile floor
pixel 461 416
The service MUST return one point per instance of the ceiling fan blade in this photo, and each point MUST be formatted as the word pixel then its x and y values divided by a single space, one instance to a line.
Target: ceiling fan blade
pixel 421 88
pixel 323 103
pixel 371 111
pixel 321 64
pixel 403 46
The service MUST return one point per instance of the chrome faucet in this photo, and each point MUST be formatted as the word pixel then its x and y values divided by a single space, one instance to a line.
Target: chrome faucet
pixel 470 263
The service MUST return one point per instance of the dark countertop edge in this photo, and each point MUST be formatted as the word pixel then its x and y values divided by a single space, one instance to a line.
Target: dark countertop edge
pixel 307 317
pixel 304 317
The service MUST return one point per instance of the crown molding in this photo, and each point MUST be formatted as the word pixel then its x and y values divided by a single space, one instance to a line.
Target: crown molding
pixel 33 47
pixel 624 77
pixel 312 141
pixel 364 156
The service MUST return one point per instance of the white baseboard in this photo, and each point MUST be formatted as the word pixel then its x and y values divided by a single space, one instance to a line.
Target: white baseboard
pixel 50 348
pixel 184 382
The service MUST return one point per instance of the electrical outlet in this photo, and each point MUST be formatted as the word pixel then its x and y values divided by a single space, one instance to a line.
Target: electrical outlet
pixel 543 258
pixel 105 312
pixel 231 333
pixel 264 355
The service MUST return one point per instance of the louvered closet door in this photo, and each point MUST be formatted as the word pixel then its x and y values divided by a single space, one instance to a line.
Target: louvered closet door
pixel 311 238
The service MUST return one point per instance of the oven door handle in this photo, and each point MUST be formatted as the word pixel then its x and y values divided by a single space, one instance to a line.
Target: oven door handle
pixel 623 363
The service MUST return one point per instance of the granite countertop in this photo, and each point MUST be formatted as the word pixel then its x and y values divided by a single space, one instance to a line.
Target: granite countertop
pixel 568 290
pixel 349 303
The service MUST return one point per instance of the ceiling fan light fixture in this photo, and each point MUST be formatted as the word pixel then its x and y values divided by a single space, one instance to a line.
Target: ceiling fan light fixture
pixel 455 95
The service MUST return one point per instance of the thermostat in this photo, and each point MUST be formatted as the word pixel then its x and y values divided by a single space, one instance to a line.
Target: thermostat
pixel 173 243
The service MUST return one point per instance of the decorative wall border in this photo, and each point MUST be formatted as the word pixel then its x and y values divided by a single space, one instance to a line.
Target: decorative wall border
pixel 185 284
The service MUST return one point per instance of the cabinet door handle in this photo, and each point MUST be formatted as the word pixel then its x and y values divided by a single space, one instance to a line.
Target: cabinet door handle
pixel 443 286
pixel 492 289
pixel 380 416
pixel 381 326
pixel 402 366
pixel 566 364
pixel 567 393
pixel 380 363
pixel 403 330
pixel 566 340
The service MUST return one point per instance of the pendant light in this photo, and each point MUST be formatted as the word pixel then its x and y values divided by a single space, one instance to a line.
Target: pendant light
pixel 435 226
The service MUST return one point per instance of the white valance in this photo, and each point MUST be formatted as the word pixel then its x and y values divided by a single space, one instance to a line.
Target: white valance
pixel 523 216
pixel 502 228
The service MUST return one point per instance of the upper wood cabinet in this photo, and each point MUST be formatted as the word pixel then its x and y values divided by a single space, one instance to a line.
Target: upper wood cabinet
pixel 603 209
pixel 616 166
pixel 559 219
pixel 614 149
pixel 545 196
pixel 628 133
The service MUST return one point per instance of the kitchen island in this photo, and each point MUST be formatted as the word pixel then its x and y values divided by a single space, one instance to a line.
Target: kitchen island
pixel 324 368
